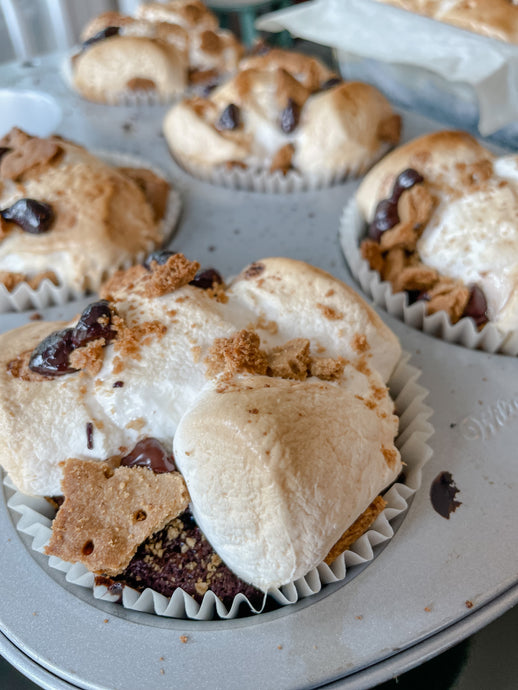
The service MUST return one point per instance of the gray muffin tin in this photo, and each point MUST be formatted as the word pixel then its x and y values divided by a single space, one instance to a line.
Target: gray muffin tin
pixel 436 581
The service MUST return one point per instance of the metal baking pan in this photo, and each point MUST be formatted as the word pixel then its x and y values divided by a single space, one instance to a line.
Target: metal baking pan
pixel 437 579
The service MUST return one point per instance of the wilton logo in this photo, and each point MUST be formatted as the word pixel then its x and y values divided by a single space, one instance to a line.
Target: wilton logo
pixel 492 419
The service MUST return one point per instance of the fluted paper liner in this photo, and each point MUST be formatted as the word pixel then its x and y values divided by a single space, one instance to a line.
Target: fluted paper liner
pixel 257 179
pixel 353 229
pixel 35 519
pixel 23 297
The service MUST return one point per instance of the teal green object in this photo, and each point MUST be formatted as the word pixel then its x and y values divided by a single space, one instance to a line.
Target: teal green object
pixel 246 14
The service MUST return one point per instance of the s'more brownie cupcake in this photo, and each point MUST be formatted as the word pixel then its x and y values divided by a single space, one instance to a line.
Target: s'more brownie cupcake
pixel 433 233
pixel 68 219
pixel 248 467
pixel 284 122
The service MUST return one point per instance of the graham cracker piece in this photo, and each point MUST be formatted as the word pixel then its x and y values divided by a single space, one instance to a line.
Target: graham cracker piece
pixel 327 368
pixel 418 277
pixel 37 279
pixel 238 353
pixel 108 513
pixel 30 156
pixel 291 360
pixel 449 296
pixel 155 188
pixel 371 252
pixel 88 358
pixel 159 280
pixel 355 531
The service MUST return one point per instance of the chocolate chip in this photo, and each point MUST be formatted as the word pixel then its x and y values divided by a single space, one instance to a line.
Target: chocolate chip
pixel 290 117
pixel 206 279
pixel 118 384
pixel 89 435
pixel 31 215
pixel 50 357
pixel 95 322
pixel 330 83
pixel 405 180
pixel 476 308
pixel 102 35
pixel 442 494
pixel 253 270
pixel 385 217
pixel 150 453
pixel 230 118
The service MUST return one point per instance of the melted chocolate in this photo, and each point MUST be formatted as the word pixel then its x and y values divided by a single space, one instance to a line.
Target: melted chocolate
pixel 442 495
pixel 476 307
pixel 150 453
pixel 50 357
pixel 290 117
pixel 89 435
pixel 206 279
pixel 230 118
pixel 30 215
pixel 386 215
pixel 95 322
pixel 101 35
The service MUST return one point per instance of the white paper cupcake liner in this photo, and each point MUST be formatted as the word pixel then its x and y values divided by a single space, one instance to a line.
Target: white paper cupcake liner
pixel 23 297
pixel 35 519
pixel 490 339
pixel 257 179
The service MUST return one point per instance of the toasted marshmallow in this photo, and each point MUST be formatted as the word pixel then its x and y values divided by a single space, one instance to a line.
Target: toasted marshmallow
pixel 111 68
pixel 152 373
pixel 337 132
pixel 472 235
pixel 277 470
pixel 294 299
pixel 309 71
pixel 190 14
pixel 102 219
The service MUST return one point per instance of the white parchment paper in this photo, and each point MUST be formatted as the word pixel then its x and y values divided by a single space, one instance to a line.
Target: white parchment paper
pixel 372 30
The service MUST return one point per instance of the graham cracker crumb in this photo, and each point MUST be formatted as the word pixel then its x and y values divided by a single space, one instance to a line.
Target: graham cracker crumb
pixel 291 360
pixel 359 343
pixel 359 527
pixel 130 339
pixel 183 639
pixel 159 280
pixel 217 292
pixel 88 358
pixel 137 424
pixel 327 368
pixel 263 324
pixel 240 352
pixel 108 512
pixel 29 156
pixel 390 456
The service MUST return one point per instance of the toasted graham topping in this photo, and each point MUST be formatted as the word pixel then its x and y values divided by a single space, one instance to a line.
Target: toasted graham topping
pixel 160 280
pixel 239 353
pixel 155 188
pixel 291 360
pixel 29 156
pixel 107 513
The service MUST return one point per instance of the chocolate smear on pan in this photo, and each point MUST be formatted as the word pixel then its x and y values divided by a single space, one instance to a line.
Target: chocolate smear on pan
pixel 442 495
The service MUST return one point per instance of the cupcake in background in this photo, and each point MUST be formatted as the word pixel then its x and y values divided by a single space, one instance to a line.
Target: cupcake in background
pixel 283 115
pixel 436 220
pixel 154 56
pixel 68 219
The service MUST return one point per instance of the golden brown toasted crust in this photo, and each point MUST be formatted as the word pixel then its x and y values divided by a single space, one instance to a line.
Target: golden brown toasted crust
pixel 108 512
pixel 308 70
pixel 435 156
pixel 493 18
pixel 155 188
